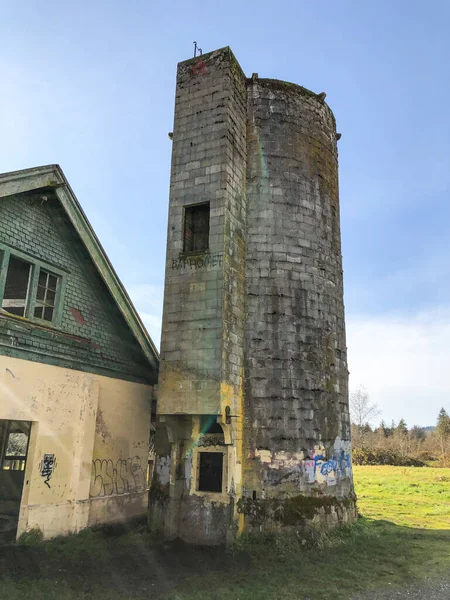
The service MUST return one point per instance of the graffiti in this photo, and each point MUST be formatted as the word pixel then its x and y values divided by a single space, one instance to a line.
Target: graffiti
pixel 317 467
pixel 47 466
pixel 197 262
pixel 322 470
pixel 123 476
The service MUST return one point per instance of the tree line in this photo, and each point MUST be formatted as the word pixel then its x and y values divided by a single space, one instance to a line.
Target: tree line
pixel 396 444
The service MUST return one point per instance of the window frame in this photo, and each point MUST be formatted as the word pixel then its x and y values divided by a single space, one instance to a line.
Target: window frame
pixel 200 455
pixel 185 209
pixel 223 494
pixel 31 299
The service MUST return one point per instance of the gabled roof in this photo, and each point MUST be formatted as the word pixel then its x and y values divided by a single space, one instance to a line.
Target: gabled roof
pixel 52 176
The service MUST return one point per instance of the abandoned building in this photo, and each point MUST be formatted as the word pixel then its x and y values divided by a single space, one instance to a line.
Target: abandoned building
pixel 253 425
pixel 77 368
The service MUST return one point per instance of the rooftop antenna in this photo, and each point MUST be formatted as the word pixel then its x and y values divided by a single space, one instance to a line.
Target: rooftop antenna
pixel 197 48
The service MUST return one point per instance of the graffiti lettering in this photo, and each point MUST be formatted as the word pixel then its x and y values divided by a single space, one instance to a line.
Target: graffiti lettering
pixel 47 466
pixel 319 469
pixel 197 262
pixel 121 477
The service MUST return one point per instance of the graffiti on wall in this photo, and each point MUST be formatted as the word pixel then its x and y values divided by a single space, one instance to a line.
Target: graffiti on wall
pixel 193 263
pixel 322 470
pixel 122 476
pixel 316 467
pixel 47 466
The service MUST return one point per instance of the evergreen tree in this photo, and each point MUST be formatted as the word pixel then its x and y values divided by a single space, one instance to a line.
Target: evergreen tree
pixel 402 427
pixel 443 430
pixel 417 433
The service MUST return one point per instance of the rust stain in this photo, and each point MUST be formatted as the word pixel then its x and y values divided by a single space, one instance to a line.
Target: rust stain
pixel 77 315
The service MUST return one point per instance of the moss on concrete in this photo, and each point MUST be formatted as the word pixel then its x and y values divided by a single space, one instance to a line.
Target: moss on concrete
pixel 296 510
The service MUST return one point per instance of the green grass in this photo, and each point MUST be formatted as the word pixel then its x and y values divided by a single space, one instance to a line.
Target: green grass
pixel 411 496
pixel 403 536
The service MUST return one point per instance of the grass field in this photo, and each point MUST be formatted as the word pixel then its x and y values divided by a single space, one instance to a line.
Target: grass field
pixel 411 496
pixel 403 536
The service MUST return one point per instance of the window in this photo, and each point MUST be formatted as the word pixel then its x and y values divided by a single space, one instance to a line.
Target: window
pixel 46 295
pixel 210 471
pixel 16 286
pixel 14 436
pixel 27 288
pixel 196 228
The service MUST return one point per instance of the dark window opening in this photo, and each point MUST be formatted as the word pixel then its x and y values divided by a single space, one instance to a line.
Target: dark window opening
pixel 16 286
pixel 210 471
pixel 15 435
pixel 209 424
pixel 30 290
pixel 196 228
pixel 45 296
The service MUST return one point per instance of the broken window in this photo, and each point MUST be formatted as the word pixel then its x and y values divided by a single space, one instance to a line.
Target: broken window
pixel 45 296
pixel 27 289
pixel 16 436
pixel 210 471
pixel 196 228
pixel 16 286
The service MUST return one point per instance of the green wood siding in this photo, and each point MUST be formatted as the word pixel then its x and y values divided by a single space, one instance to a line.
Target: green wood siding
pixel 90 333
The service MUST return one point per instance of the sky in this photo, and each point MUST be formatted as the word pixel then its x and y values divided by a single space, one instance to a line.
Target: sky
pixel 90 85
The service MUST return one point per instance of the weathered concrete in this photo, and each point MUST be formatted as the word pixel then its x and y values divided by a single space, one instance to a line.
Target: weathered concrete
pixel 253 328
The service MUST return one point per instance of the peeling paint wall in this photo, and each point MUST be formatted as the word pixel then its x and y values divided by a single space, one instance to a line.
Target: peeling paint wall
pixel 81 420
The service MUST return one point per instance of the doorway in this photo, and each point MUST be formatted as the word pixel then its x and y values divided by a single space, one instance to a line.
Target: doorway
pixel 14 441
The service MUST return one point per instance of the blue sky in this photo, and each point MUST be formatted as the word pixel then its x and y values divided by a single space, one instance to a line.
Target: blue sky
pixel 90 86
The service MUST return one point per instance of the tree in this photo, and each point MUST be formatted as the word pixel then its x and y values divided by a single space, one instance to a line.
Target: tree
pixel 400 438
pixel 402 428
pixel 442 430
pixel 417 433
pixel 362 411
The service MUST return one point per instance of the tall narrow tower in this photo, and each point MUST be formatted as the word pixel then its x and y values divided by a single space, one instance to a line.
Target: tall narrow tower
pixel 253 423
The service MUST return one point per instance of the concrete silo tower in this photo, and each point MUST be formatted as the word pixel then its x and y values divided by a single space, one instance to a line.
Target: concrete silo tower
pixel 253 424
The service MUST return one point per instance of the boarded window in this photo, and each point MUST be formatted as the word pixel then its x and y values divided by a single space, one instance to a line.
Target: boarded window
pixel 16 286
pixel 210 471
pixel 45 296
pixel 196 228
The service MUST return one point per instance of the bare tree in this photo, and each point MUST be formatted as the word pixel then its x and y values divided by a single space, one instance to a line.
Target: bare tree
pixel 362 411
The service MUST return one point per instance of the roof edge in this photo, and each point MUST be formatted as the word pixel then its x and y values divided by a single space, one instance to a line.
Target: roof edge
pixel 52 176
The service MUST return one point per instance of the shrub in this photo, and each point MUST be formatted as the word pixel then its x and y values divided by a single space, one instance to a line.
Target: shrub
pixel 378 456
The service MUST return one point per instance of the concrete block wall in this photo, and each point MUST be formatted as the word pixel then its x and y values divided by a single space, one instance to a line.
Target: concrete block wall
pixel 256 325
pixel 200 298
pixel 296 376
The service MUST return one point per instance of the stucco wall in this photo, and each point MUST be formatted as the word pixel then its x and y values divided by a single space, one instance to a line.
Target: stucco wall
pixel 77 417
pixel 118 488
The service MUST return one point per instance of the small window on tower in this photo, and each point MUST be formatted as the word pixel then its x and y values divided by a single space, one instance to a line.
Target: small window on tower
pixel 210 471
pixel 196 228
